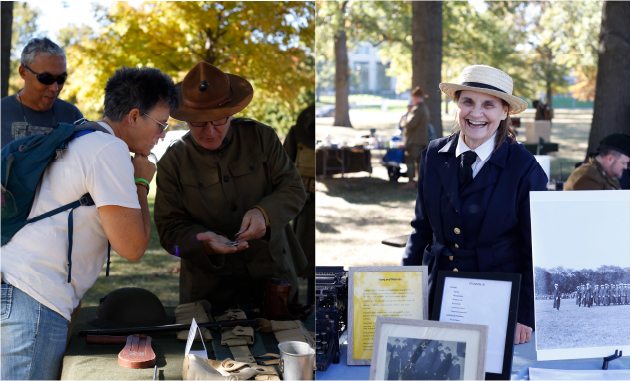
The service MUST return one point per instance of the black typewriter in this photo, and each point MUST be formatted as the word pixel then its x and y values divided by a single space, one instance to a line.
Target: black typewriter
pixel 331 313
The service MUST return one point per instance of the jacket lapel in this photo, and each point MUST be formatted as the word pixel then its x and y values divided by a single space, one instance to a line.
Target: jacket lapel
pixel 448 170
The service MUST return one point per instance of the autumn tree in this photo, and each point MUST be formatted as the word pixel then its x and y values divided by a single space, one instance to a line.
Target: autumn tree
pixel 269 43
pixel 611 105
pixel 23 29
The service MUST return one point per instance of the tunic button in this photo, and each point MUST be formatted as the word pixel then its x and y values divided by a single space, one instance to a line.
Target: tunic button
pixel 455 270
pixel 200 185
pixel 251 168
pixel 233 208
pixel 226 178
pixel 456 246
pixel 456 230
pixel 451 257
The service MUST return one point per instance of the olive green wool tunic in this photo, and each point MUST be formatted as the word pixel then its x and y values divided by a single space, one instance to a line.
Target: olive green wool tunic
pixel 200 190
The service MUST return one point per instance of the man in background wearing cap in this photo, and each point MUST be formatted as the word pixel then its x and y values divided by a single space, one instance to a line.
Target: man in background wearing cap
pixel 557 297
pixel 415 127
pixel 603 171
pixel 227 179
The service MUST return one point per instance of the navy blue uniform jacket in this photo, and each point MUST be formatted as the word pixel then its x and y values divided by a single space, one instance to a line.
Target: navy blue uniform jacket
pixel 487 227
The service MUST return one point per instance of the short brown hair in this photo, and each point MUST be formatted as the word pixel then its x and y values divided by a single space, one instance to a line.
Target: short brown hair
pixel 417 92
pixel 504 130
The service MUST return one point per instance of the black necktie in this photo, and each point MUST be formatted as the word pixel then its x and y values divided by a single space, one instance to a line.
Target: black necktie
pixel 466 172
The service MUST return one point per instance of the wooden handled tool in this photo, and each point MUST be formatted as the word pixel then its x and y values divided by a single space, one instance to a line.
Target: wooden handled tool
pixel 137 353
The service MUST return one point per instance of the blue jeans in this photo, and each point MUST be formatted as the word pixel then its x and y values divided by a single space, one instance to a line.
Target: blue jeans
pixel 33 337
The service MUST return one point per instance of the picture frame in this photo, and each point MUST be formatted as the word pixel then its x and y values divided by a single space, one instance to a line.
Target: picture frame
pixel 574 319
pixel 394 291
pixel 489 299
pixel 431 350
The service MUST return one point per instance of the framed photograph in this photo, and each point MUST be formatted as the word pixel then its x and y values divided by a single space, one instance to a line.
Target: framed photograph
pixel 580 253
pixel 393 291
pixel 489 299
pixel 427 350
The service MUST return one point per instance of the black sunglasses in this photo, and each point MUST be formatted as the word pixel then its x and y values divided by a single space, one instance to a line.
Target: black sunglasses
pixel 49 79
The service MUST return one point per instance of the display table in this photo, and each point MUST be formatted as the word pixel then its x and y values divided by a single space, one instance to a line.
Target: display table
pixel 331 161
pixel 524 357
pixel 100 362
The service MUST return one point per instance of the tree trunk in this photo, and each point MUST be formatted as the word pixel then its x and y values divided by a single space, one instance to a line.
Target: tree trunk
pixel 7 24
pixel 549 93
pixel 427 46
pixel 611 104
pixel 342 82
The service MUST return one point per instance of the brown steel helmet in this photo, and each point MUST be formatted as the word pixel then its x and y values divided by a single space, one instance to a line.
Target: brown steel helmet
pixel 130 307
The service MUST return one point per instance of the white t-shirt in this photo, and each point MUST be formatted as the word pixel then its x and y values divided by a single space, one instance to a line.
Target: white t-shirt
pixel 36 258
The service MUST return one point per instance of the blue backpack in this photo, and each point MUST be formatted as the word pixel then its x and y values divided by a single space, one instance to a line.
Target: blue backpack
pixel 23 163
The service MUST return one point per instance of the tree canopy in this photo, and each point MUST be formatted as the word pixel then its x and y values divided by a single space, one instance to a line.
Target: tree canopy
pixel 269 43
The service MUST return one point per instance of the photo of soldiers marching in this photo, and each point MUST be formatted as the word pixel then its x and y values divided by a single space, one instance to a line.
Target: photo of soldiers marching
pixel 589 292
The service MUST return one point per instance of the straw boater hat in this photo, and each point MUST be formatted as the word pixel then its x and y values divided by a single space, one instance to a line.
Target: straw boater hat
pixel 209 94
pixel 487 80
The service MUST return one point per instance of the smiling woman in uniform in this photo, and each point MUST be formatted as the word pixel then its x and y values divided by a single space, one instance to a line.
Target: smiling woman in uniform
pixel 473 207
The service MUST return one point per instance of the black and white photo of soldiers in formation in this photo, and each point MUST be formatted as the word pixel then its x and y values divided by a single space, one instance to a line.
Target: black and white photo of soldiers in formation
pixel 597 317
pixel 422 359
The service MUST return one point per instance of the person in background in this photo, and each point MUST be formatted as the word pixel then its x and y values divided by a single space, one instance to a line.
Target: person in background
pixel 471 180
pixel 603 171
pixel 415 127
pixel 300 147
pixel 36 108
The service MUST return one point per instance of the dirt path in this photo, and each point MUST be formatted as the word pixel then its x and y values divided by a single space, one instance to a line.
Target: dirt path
pixel 354 215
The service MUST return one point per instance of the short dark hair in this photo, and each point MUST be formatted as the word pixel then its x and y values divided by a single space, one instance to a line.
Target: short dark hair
pixel 604 152
pixel 138 88
pixel 504 130
pixel 42 46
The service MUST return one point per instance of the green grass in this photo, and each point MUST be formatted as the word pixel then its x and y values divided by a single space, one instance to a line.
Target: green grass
pixel 579 327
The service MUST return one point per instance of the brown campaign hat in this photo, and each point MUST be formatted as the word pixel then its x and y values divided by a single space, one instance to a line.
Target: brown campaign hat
pixel 209 94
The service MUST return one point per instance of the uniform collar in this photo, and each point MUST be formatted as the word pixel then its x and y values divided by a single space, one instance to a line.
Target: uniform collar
pixel 483 151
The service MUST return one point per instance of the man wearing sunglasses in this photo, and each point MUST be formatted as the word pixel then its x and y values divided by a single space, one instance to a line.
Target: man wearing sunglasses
pixel 229 179
pixel 36 108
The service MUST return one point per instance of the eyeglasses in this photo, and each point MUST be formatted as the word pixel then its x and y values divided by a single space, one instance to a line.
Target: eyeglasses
pixel 215 123
pixel 162 126
pixel 49 79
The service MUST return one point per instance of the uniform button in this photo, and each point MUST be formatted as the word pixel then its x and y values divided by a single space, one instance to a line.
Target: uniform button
pixel 251 168
pixel 451 257
pixel 233 208
pixel 456 230
pixel 456 246
pixel 455 270
pixel 226 179
pixel 200 185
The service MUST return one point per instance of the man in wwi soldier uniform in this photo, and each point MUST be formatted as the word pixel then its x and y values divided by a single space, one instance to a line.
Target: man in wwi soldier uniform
pixel 557 297
pixel 227 180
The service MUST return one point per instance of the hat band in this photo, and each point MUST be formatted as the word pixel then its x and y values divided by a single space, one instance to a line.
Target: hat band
pixel 206 105
pixel 482 86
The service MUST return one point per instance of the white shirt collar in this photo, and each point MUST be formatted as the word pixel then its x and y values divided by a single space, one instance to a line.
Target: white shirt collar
pixel 484 151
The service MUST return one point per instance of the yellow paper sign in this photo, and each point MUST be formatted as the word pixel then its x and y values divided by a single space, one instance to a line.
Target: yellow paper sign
pixel 383 293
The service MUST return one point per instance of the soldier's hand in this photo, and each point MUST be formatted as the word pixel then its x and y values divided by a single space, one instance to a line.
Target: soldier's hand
pixel 522 334
pixel 253 226
pixel 218 243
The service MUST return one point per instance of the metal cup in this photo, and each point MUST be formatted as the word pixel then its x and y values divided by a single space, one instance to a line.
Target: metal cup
pixel 296 360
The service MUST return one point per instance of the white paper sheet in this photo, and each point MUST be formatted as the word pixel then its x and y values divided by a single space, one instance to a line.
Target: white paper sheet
pixel 462 298
pixel 189 342
pixel 571 374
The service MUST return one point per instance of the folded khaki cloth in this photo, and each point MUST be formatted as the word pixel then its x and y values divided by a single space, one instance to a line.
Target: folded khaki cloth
pixel 197 368
pixel 184 314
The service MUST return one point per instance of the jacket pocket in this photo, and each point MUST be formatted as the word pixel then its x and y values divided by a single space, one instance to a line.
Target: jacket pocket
pixel 200 179
pixel 247 166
